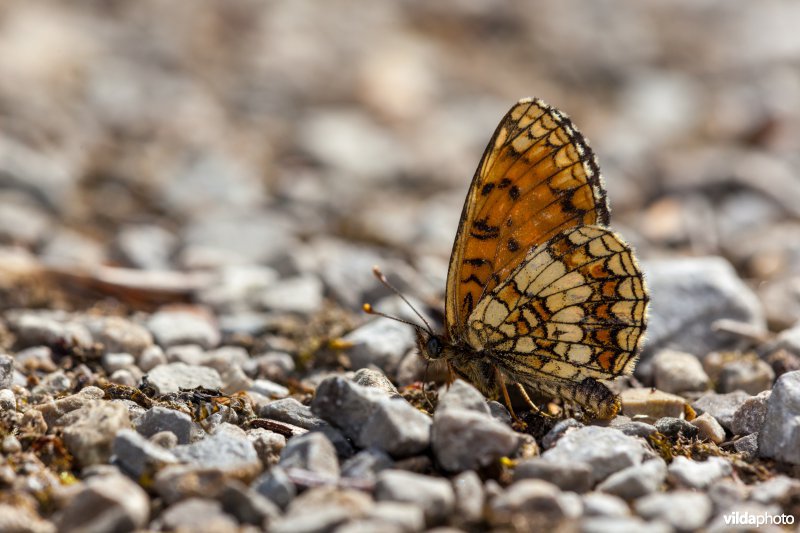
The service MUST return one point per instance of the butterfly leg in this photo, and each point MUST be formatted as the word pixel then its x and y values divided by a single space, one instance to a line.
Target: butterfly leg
pixel 530 403
pixel 502 382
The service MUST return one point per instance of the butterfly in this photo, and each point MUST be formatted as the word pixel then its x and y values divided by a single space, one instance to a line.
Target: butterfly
pixel 540 292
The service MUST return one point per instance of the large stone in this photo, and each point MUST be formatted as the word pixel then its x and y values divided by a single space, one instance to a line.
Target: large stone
pixel 106 503
pixel 345 404
pixel 89 431
pixel 313 452
pixel 396 428
pixel 779 438
pixel 468 440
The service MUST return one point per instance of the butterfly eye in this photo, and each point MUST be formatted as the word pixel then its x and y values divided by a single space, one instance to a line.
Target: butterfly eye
pixel 434 348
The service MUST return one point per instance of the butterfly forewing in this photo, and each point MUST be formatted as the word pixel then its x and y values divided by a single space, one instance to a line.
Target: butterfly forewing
pixel 537 178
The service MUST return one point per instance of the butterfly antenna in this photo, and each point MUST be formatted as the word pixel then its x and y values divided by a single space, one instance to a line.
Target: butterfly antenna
pixel 376 271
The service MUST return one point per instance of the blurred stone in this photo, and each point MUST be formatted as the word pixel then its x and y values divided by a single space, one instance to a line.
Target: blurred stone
pixel 750 375
pixel 345 404
pixel 488 439
pixel 174 376
pixel 747 446
pixel 687 296
pixel 66 247
pixel 648 405
pixel 322 509
pixel 369 377
pixel 637 480
pixel 106 503
pixel 380 342
pixel 152 357
pixel 561 428
pixel 234 455
pixel 145 246
pixel 781 301
pixel 695 509
pixel 90 430
pixel 291 411
pixel 469 497
pixel 779 489
pixel 710 429
pixel 247 505
pixel 237 287
pixel 779 437
pixel 677 372
pixel 302 295
pixel 567 475
pixel 16 518
pixel 6 371
pixel 54 409
pixel 137 456
pixel 268 445
pixel 21 222
pixel 721 406
pixel 48 329
pixel 197 514
pixel 158 419
pixel 462 395
pixel 529 496
pixel 674 427
pixel 603 504
pixel 697 475
pixel 750 415
pixel 366 464
pixel 434 495
pixel 396 428
pixel 175 327
pixel 313 452
pixel 276 486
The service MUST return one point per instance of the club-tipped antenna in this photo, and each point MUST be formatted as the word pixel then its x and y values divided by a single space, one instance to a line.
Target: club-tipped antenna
pixel 376 271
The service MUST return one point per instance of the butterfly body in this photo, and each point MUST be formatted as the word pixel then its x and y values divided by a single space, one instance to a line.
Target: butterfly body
pixel 540 292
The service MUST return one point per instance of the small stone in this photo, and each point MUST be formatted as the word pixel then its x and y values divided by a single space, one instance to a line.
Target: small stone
pixel 321 509
pixel 292 412
pixel 120 335
pixel 247 505
pixel 115 361
pixel 603 504
pixel 778 490
pixel 152 357
pixel 222 450
pixel 90 430
pixel 682 509
pixel 750 416
pixel 747 446
pixel 10 444
pixel 146 246
pixel 313 452
pixel 405 516
pixel 368 377
pixel 268 445
pixel 499 412
pixel 138 456
pixel 529 496
pixel 366 464
pixel 276 486
pixel 106 503
pixel 468 440
pixel 605 450
pixel 779 438
pixel 380 342
pixel 396 428
pixel 23 519
pixel 301 294
pixel 673 427
pixel 269 388
pixel 751 375
pixel 8 402
pixel 6 371
pixel 721 406
pixel 272 365
pixel 727 494
pixel 470 497
pixel 435 496
pixel 175 327
pixel 622 524
pixel 158 419
pixel 345 404
pixel 677 372
pixel 197 514
pixel 649 405
pixel 561 428
pixel 637 480
pixel 48 329
pixel 697 475
pixel 634 428
pixel 35 358
pixel 573 476
pixel 165 439
pixel 462 395
pixel 175 376
pixel 709 428
pixel 123 376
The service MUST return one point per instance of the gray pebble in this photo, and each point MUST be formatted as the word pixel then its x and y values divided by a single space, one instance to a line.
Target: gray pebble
pixel 499 412
pixel 171 328
pixel 682 509
pixel 196 514
pixel 462 395
pixel 673 427
pixel 222 450
pixel 274 365
pixel 292 412
pixel 470 497
pixel 779 489
pixel 313 452
pixel 158 419
pixel 302 294
pixel 366 464
pixel 247 505
pixel 8 402
pixel 747 446
pixel 138 456
pixel 697 475
pixel 322 509
pixel 23 519
pixel 89 431
pixel 146 246
pixel 567 475
pixel 635 428
pixel 116 361
pixel 369 377
pixel 53 410
pixel 467 440
pixel 750 415
pixel 404 516
pixel 276 486
pixel 530 496
pixel 623 524
pixel 6 371
pixel 380 342
pixel 268 445
pixel 779 438
pixel 435 496
pixel 606 450
pixel 123 376
pixel 603 504
pixel 106 503
pixel 269 388
pixel 750 375
pixel 676 372
pixel 165 439
pixel 721 406
pixel 637 480
pixel 561 428
pixel 709 428
pixel 152 357
pixel 174 376
pixel 120 335
pixel 345 404
pixel 48 329
pixel 396 428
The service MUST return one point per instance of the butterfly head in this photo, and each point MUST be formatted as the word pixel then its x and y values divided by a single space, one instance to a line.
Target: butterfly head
pixel 430 346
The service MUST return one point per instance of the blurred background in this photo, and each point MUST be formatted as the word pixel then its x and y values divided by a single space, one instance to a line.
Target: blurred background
pixel 319 138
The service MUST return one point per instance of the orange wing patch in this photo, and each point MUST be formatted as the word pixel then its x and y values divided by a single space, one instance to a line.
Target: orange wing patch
pixel 537 177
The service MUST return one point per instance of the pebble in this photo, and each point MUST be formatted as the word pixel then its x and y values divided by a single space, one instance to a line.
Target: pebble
pixel 403 516
pixel 197 514
pixel 750 415
pixel 380 342
pixel 462 395
pixel 152 357
pixel 603 504
pixel 779 437
pixel 561 428
pixel 276 486
pixel 223 450
pixel 8 402
pixel 530 496
pixel 247 505
pixel 367 377
pixel 673 427
pixel 682 509
pixel 302 295
pixel 687 296
pixel 345 404
pixel 396 428
pixel 16 518
pixel 90 430
pixel 605 450
pixel 434 495
pixel 637 480
pixel 106 503
pixel 709 428
pixel 321 509
pixel 747 446
pixel 175 376
pixel 175 327
pixel 48 329
pixel 623 524
pixel 697 475
pixel 721 406
pixel 470 497
pixel 120 335
pixel 567 475
pixel 633 428
pixel 158 419
pixel 313 452
pixel 649 405
pixel 749 375
pixel 137 456
pixel 268 445
pixel 292 412
pixel 269 388
pixel 366 464
pixel 117 361
pixel 6 371
pixel 146 246
pixel 779 489
pixel 464 440
pixel 676 372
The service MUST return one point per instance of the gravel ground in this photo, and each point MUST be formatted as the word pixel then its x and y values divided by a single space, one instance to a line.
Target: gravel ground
pixel 192 198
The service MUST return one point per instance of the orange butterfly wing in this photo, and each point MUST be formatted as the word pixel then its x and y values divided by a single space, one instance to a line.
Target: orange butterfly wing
pixel 537 177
